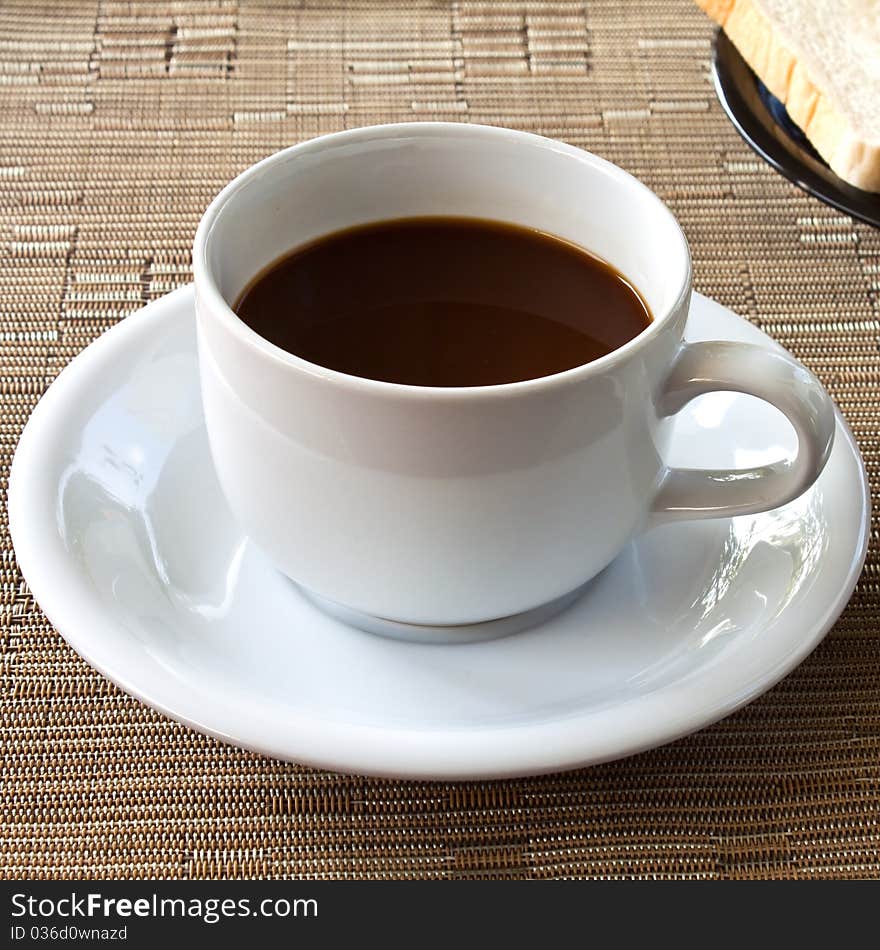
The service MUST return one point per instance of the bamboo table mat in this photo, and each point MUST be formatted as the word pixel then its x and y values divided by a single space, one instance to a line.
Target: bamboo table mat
pixel 118 123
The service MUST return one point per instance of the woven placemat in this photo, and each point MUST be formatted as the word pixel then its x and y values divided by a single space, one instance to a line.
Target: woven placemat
pixel 118 122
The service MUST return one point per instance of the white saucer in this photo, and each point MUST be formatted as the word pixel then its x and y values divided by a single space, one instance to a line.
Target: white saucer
pixel 126 543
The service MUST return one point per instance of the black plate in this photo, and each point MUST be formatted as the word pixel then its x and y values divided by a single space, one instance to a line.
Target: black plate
pixel 761 119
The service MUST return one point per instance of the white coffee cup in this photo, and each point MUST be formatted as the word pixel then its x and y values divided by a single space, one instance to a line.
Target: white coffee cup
pixel 448 506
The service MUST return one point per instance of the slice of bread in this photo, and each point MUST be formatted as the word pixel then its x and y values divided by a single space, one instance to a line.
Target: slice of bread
pixel 822 59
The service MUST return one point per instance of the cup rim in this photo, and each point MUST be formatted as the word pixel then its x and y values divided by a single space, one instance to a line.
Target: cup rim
pixel 208 290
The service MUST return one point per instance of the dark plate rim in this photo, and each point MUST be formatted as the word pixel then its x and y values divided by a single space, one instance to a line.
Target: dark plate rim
pixel 738 91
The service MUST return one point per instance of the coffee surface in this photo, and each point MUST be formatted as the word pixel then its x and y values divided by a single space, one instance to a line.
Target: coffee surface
pixel 443 302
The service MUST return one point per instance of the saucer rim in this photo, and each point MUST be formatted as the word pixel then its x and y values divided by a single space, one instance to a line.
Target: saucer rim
pixel 488 752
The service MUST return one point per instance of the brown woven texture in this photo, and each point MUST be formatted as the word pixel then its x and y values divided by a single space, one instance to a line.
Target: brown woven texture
pixel 118 123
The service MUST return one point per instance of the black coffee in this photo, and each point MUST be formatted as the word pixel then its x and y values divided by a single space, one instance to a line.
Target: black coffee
pixel 443 302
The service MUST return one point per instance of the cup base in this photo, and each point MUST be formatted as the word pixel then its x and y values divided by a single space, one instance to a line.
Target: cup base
pixel 445 634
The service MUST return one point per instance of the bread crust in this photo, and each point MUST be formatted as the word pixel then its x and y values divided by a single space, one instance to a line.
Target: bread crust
pixel 829 131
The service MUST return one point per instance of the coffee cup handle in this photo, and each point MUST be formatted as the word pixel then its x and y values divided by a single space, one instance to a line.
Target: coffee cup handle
pixel 772 376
